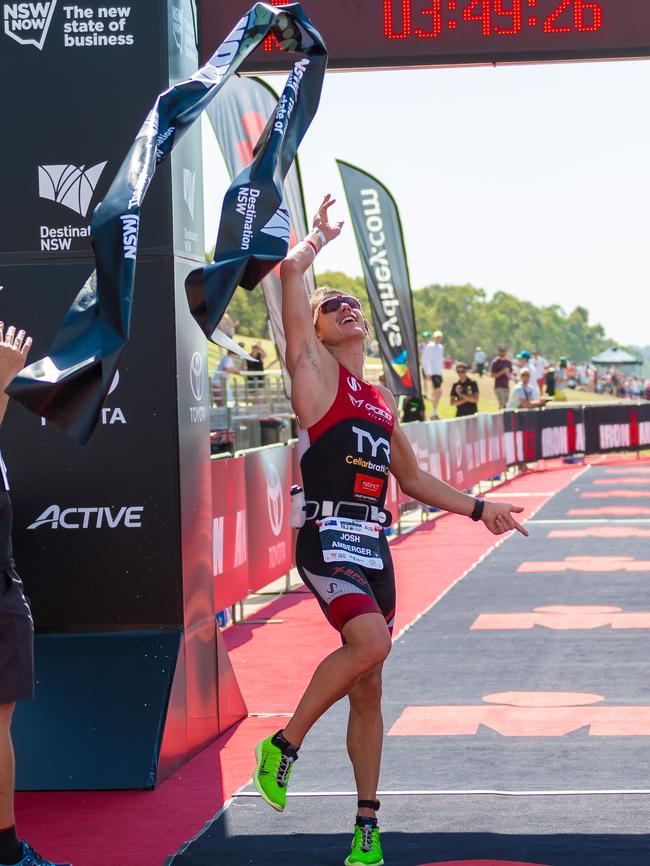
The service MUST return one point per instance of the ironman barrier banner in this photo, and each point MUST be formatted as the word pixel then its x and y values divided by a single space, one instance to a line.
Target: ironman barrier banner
pixel 69 386
pixel 229 531
pixel 378 231
pixel 238 117
pixel 617 428
pixel 268 481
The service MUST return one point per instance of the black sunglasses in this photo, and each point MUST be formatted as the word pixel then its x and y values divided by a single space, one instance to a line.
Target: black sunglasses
pixel 331 305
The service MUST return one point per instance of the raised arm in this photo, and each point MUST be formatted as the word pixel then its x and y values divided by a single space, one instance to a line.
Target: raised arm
pixel 13 354
pixel 429 490
pixel 302 344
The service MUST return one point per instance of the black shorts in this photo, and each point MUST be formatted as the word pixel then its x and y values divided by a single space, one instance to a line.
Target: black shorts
pixel 436 381
pixel 16 640
pixel 343 589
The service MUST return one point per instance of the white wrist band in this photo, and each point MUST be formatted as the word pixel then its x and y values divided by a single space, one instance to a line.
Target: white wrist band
pixel 322 237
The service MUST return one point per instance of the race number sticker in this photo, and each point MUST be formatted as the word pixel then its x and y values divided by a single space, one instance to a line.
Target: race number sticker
pixel 344 540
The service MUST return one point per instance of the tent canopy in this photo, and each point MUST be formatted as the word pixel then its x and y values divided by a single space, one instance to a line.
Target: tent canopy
pixel 615 356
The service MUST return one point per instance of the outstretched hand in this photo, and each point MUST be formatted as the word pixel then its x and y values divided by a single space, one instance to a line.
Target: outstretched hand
pixel 322 223
pixel 498 518
pixel 14 348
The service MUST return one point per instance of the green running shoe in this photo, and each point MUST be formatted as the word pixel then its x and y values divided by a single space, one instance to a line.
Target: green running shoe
pixel 366 847
pixel 272 773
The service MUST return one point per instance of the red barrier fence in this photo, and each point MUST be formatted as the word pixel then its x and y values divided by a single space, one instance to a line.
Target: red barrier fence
pixel 253 544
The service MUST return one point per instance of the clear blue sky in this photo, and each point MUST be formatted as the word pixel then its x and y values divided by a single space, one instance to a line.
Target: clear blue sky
pixel 533 180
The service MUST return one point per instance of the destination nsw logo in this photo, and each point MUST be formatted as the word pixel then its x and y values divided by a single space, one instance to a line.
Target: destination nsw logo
pixel 72 187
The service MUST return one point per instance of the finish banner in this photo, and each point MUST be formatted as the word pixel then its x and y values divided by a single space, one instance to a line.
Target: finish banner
pixel 254 229
pixel 238 117
pixel 378 231
pixel 69 386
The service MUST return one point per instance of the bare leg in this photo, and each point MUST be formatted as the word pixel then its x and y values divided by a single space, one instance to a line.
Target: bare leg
pixel 365 735
pixel 368 644
pixel 7 768
pixel 437 394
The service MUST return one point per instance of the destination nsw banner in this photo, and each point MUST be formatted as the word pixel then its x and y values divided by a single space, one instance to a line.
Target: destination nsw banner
pixel 378 231
pixel 69 385
pixel 239 116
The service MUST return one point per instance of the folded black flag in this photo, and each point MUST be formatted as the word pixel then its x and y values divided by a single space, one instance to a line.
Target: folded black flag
pixel 69 386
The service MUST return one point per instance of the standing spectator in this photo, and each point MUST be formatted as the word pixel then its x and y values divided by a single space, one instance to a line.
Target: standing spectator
pixel 525 394
pixel 561 379
pixel 550 380
pixel 16 632
pixel 524 363
pixel 433 362
pixel 222 388
pixel 256 383
pixel 479 360
pixel 501 371
pixel 464 393
pixel 539 364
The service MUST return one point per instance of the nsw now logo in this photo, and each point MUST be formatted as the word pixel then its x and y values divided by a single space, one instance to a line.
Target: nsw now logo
pixel 28 23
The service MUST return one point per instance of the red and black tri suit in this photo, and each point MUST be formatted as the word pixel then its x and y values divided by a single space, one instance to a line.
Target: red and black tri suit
pixel 345 464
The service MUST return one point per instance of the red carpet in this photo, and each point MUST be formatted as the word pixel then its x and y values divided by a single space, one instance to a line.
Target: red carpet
pixel 273 663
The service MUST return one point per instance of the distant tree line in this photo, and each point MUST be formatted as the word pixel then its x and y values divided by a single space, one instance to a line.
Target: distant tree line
pixel 466 317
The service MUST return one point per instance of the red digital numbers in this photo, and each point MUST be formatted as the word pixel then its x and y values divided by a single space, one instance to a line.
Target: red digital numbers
pixel 587 17
pixel 389 30
pixel 479 10
pixel 270 42
pixel 496 17
pixel 436 21
pixel 514 13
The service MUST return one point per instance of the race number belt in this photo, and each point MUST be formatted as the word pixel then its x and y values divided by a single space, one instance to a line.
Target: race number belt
pixel 355 541
pixel 359 511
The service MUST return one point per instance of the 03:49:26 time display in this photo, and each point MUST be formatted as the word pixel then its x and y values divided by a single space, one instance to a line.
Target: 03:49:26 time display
pixel 496 17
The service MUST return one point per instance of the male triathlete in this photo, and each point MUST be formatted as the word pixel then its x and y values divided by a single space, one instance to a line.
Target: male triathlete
pixel 350 438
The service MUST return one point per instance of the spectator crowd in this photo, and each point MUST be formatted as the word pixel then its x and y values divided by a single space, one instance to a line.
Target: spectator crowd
pixel 524 381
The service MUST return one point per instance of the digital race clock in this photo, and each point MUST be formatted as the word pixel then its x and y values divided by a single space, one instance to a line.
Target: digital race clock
pixel 387 34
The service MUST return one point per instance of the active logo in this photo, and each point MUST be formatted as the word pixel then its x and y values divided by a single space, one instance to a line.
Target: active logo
pixel 70 185
pixel 90 517
pixel 358 403
pixel 28 23
pixel 274 499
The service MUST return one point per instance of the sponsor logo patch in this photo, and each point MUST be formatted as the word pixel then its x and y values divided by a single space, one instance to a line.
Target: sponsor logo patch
pixel 368 485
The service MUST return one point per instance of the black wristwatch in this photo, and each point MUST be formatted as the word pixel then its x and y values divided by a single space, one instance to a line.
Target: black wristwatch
pixel 477 513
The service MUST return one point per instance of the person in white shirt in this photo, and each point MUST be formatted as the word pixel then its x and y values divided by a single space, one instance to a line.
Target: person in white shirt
pixel 222 388
pixel 525 394
pixel 540 364
pixel 479 360
pixel 433 363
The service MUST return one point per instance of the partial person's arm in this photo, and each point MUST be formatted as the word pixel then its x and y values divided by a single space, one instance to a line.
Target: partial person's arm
pixel 429 490
pixel 14 348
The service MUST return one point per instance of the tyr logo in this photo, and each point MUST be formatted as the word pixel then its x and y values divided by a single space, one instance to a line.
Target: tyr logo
pixel 375 444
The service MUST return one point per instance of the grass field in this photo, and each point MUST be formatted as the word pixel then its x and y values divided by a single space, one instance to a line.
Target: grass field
pixel 487 401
